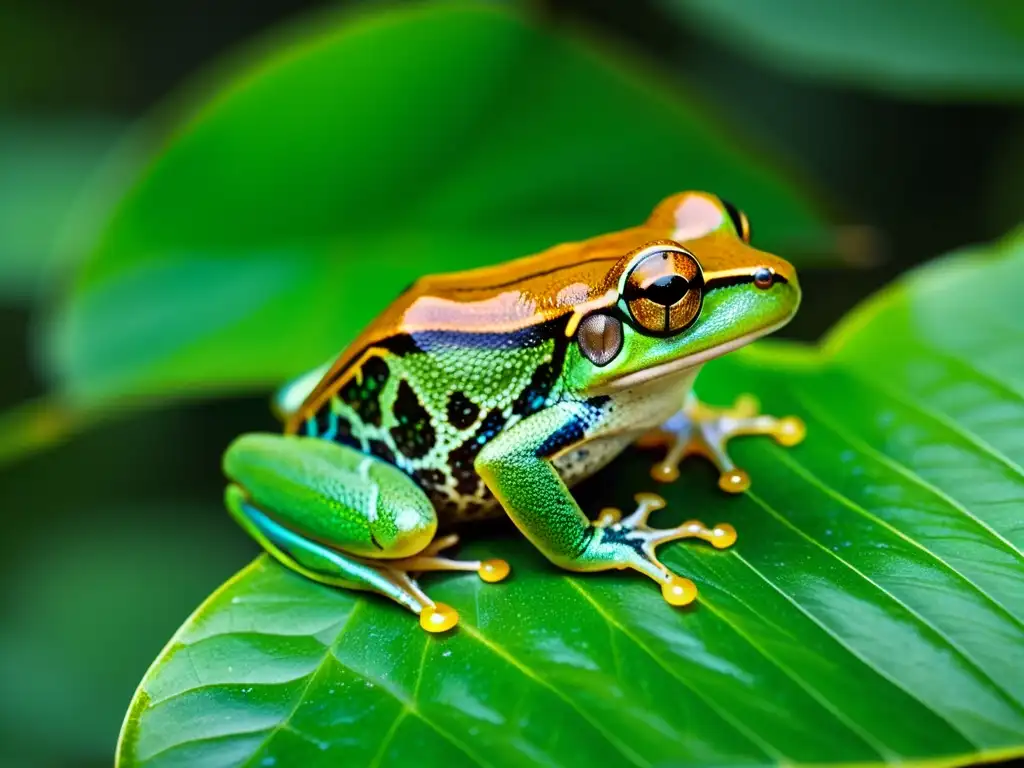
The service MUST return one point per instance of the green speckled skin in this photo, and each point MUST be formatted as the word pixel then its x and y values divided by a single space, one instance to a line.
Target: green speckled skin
pixel 439 422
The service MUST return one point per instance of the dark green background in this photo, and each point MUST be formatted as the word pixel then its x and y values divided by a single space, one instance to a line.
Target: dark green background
pixel 113 538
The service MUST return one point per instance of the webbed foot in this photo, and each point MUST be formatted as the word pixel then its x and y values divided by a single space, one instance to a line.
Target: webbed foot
pixel 703 430
pixel 631 543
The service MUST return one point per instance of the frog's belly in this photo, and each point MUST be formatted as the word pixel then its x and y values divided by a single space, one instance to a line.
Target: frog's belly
pixel 583 461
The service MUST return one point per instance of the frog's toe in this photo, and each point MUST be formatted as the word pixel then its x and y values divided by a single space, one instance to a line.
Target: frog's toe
pixel 631 542
pixel 702 430
pixel 790 431
pixel 491 571
pixel 734 481
pixel 438 617
pixel 678 590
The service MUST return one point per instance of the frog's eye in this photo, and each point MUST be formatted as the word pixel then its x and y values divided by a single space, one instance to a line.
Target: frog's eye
pixel 764 278
pixel 739 220
pixel 600 338
pixel 664 291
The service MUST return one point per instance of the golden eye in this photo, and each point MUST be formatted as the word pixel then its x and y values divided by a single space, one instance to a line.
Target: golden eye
pixel 665 290
pixel 763 278
pixel 600 338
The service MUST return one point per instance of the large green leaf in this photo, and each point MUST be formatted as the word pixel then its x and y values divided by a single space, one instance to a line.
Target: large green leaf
pixel 50 163
pixel 932 49
pixel 338 162
pixel 872 610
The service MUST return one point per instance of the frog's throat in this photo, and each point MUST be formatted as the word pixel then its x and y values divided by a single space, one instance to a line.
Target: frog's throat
pixel 636 378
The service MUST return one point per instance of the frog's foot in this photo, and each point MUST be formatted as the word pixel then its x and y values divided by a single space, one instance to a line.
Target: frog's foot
pixel 438 617
pixel 629 542
pixel 394 578
pixel 702 430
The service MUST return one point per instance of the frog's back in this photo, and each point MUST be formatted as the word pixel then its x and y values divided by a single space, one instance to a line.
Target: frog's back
pixel 455 360
pixel 459 357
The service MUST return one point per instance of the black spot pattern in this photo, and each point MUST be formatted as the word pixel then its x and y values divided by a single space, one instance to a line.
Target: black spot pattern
pixel 569 434
pixel 429 478
pixel 344 434
pixel 320 425
pixel 462 412
pixel 413 434
pixel 474 507
pixel 535 394
pixel 625 537
pixel 364 397
pixel 461 459
pixel 446 508
pixel 575 430
pixel 381 450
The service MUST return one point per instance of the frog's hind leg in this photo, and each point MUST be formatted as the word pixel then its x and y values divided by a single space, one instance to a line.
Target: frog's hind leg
pixel 319 562
pixel 341 518
pixel 702 430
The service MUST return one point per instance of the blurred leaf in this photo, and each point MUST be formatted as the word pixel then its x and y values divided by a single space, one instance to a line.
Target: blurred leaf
pixel 927 49
pixel 37 425
pixel 338 163
pixel 47 165
pixel 85 608
pixel 871 612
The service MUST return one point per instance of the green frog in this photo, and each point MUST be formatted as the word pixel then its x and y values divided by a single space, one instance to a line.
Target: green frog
pixel 495 390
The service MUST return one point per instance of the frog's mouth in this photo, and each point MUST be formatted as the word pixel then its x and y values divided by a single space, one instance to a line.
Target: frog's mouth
pixel 683 365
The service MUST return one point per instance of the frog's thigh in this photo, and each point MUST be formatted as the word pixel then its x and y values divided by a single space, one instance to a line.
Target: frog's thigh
pixel 332 494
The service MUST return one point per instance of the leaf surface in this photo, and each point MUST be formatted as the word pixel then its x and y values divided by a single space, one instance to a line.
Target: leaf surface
pixel 872 610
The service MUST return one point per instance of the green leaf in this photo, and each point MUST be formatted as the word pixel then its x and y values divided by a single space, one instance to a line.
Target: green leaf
pixel 927 49
pixel 327 167
pixel 51 162
pixel 871 611
pixel 84 612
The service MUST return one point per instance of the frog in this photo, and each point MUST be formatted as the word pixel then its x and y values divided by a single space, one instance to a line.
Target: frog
pixel 494 391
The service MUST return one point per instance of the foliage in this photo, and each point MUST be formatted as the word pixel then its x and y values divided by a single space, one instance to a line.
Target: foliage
pixel 872 608
pixel 931 49
pixel 310 222
pixel 871 611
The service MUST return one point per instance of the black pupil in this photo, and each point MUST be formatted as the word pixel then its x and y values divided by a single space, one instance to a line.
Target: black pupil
pixel 667 290
pixel 763 276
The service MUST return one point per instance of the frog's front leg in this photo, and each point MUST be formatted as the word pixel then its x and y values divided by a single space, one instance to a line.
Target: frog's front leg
pixel 343 518
pixel 703 430
pixel 517 468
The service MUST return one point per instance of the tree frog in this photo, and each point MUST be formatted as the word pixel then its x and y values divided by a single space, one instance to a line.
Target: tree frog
pixel 497 389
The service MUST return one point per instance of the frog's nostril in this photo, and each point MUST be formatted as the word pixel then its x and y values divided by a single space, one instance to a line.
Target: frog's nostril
pixel 667 290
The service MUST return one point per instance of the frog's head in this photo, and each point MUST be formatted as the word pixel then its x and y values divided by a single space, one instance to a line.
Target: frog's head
pixel 676 302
